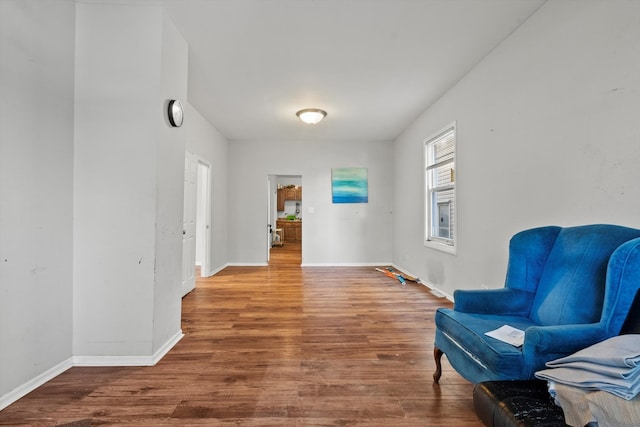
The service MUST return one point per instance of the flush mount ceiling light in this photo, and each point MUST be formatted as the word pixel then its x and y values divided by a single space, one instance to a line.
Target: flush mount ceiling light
pixel 311 115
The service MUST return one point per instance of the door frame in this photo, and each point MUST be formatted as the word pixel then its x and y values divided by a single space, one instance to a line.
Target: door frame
pixel 198 199
pixel 203 204
pixel 272 214
pixel 270 217
pixel 189 225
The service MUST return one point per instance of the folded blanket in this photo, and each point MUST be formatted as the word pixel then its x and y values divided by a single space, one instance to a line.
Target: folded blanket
pixel 609 371
pixel 622 351
pixel 624 388
pixel 612 365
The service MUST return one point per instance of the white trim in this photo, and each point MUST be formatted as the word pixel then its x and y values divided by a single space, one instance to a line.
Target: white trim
pixel 189 223
pixel 129 360
pixel 112 361
pixel 207 228
pixel 168 345
pixel 187 290
pixel 436 291
pixel 408 273
pixel 217 270
pixel 305 264
pixel 26 388
pixel 345 264
pixel 443 245
pixel 247 264
pixel 433 288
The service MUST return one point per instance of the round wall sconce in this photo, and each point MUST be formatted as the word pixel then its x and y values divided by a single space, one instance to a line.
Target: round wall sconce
pixel 311 115
pixel 175 113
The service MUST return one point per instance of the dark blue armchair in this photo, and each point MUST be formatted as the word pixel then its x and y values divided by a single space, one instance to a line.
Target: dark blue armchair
pixel 567 288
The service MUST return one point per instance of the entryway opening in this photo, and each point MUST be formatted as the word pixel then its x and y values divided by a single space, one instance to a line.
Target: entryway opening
pixel 196 227
pixel 285 219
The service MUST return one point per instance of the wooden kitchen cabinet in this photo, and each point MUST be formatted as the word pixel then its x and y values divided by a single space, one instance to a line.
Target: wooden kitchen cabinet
pixel 288 193
pixel 291 230
pixel 280 197
pixel 289 233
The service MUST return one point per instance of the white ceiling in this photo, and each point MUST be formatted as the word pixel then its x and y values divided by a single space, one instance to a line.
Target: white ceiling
pixel 373 65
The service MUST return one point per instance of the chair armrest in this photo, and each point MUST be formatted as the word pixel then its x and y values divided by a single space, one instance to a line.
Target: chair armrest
pixel 562 338
pixel 504 301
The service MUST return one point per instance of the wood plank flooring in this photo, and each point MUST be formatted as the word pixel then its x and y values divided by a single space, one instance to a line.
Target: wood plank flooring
pixel 275 346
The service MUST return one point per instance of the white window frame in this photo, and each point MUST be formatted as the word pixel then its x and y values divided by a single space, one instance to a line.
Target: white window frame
pixel 432 238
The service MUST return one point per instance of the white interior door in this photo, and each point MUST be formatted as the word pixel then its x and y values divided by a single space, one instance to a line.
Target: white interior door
pixel 270 224
pixel 203 218
pixel 189 224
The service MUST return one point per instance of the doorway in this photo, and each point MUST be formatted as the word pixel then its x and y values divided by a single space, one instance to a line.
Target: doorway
pixel 196 235
pixel 285 219
pixel 203 219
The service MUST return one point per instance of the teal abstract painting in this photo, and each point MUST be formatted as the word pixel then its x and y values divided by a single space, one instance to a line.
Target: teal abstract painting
pixel 349 185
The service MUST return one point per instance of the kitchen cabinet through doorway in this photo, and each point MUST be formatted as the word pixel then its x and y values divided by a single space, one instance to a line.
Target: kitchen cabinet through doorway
pixel 292 230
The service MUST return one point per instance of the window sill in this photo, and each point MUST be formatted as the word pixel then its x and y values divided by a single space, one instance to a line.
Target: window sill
pixel 442 247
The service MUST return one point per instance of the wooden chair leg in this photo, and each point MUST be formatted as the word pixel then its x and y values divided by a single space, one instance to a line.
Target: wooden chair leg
pixel 437 354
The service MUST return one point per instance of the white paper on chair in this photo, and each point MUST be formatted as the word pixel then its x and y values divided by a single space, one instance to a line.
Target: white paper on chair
pixel 508 334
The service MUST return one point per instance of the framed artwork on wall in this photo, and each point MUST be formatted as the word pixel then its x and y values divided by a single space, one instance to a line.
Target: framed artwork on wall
pixel 349 185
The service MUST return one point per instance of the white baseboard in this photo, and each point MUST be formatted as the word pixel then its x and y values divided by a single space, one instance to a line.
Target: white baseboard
pixel 162 351
pixel 34 383
pixel 129 360
pixel 437 291
pixel 344 264
pixel 185 291
pixel 216 271
pixel 247 264
pixel 433 288
pixel 112 361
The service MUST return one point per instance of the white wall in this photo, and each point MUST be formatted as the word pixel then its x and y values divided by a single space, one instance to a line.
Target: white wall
pixel 91 182
pixel 548 133
pixel 128 183
pixel 208 144
pixel 170 152
pixel 335 234
pixel 36 172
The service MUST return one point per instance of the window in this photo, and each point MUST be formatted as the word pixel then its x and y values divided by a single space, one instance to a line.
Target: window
pixel 440 200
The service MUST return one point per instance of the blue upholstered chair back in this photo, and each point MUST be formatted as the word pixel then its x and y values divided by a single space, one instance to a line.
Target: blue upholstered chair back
pixel 623 284
pixel 564 271
pixel 528 253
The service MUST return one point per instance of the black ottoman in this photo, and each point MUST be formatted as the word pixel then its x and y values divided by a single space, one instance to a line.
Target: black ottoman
pixel 516 403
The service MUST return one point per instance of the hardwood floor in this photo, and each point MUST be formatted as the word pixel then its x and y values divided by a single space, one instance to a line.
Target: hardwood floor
pixel 275 346
pixel 288 254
